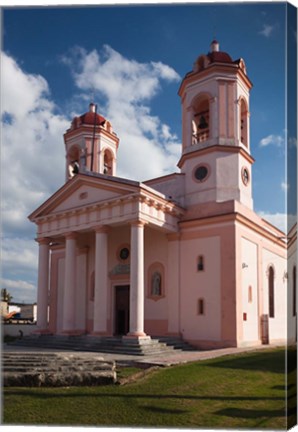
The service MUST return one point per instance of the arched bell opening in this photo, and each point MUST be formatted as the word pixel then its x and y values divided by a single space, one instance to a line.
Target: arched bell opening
pixel 73 161
pixel 243 122
pixel 201 120
pixel 108 162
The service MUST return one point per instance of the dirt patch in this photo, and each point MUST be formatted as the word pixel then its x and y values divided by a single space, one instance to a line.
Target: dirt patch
pixel 136 376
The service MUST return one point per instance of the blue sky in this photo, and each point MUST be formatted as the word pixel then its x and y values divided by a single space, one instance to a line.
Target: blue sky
pixel 131 59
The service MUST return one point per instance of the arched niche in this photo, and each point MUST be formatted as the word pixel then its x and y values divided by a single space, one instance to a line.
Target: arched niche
pixel 156 281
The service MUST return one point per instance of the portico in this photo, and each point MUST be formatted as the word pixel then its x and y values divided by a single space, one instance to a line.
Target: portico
pixel 66 234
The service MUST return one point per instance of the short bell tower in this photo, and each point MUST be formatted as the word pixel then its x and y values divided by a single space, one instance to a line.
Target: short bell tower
pixel 215 130
pixel 91 145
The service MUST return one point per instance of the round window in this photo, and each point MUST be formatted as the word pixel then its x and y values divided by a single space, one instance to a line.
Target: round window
pixel 124 253
pixel 201 172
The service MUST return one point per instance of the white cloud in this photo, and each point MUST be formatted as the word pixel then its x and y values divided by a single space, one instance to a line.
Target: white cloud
pixel 32 168
pixel 275 140
pixel 17 284
pixel 19 254
pixel 285 186
pixel 32 144
pixel 20 290
pixel 19 268
pixel 128 88
pixel 32 162
pixel 282 221
pixel 267 30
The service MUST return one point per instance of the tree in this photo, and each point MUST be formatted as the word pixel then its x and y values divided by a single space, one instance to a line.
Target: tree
pixel 5 296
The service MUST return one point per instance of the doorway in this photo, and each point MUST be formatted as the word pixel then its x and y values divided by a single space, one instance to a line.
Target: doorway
pixel 121 310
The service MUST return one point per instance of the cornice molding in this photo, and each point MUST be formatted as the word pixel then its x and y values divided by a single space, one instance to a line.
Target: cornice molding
pixel 215 148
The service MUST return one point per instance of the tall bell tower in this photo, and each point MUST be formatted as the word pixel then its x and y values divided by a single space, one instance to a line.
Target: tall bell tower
pixel 91 145
pixel 216 157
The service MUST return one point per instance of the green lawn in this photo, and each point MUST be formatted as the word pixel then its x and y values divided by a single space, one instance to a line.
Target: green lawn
pixel 241 391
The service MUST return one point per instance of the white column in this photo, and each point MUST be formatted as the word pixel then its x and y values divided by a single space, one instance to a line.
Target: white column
pixel 101 281
pixel 69 283
pixel 43 284
pixel 136 322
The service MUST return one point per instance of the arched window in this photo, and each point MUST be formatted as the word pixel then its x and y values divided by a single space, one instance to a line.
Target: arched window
pixel 250 294
pixel 243 122
pixel 200 264
pixel 92 286
pixel 108 163
pixel 271 291
pixel 201 120
pixel 201 307
pixel 294 292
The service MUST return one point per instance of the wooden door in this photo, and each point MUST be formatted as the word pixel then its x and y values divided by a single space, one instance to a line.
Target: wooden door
pixel 122 310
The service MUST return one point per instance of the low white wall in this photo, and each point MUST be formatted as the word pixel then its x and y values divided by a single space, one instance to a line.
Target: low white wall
pixel 13 329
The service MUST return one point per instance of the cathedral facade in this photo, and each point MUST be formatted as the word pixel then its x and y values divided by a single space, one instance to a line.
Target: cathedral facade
pixel 181 255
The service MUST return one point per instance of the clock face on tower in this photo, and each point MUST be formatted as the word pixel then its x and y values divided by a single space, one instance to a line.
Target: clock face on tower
pixel 245 175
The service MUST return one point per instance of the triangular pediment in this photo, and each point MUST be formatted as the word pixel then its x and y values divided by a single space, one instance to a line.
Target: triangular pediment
pixel 82 191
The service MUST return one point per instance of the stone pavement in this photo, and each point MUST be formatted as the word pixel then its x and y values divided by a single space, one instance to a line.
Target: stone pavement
pixel 172 358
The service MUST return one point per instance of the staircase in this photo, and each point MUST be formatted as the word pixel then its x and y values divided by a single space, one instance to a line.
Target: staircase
pixel 38 369
pixel 175 343
pixel 115 345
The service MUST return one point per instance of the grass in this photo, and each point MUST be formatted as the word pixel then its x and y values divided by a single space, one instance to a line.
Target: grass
pixel 240 391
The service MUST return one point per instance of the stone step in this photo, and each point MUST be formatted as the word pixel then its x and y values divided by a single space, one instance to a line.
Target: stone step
pixel 59 367
pixel 58 379
pixel 46 369
pixel 115 345
pixel 176 343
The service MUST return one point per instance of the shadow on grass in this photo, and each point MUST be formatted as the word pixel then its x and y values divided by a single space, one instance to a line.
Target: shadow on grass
pixel 253 413
pixel 258 362
pixel 159 410
pixel 284 387
pixel 42 394
pixel 250 413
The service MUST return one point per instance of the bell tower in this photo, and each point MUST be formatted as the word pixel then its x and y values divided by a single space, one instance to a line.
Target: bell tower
pixel 216 156
pixel 91 145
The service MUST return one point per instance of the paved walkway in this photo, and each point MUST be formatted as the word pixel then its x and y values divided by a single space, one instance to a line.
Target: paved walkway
pixel 177 357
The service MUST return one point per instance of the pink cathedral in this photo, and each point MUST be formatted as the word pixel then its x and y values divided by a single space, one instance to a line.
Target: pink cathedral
pixel 181 255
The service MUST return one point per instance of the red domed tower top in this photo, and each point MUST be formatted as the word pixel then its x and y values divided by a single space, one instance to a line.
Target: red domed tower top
pixel 91 145
pixel 90 118
pixel 218 56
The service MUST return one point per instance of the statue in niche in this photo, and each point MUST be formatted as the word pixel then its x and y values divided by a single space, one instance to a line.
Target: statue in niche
pixel 156 284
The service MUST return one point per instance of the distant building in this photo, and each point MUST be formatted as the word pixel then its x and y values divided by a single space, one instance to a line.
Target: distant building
pixel 184 254
pixel 23 312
